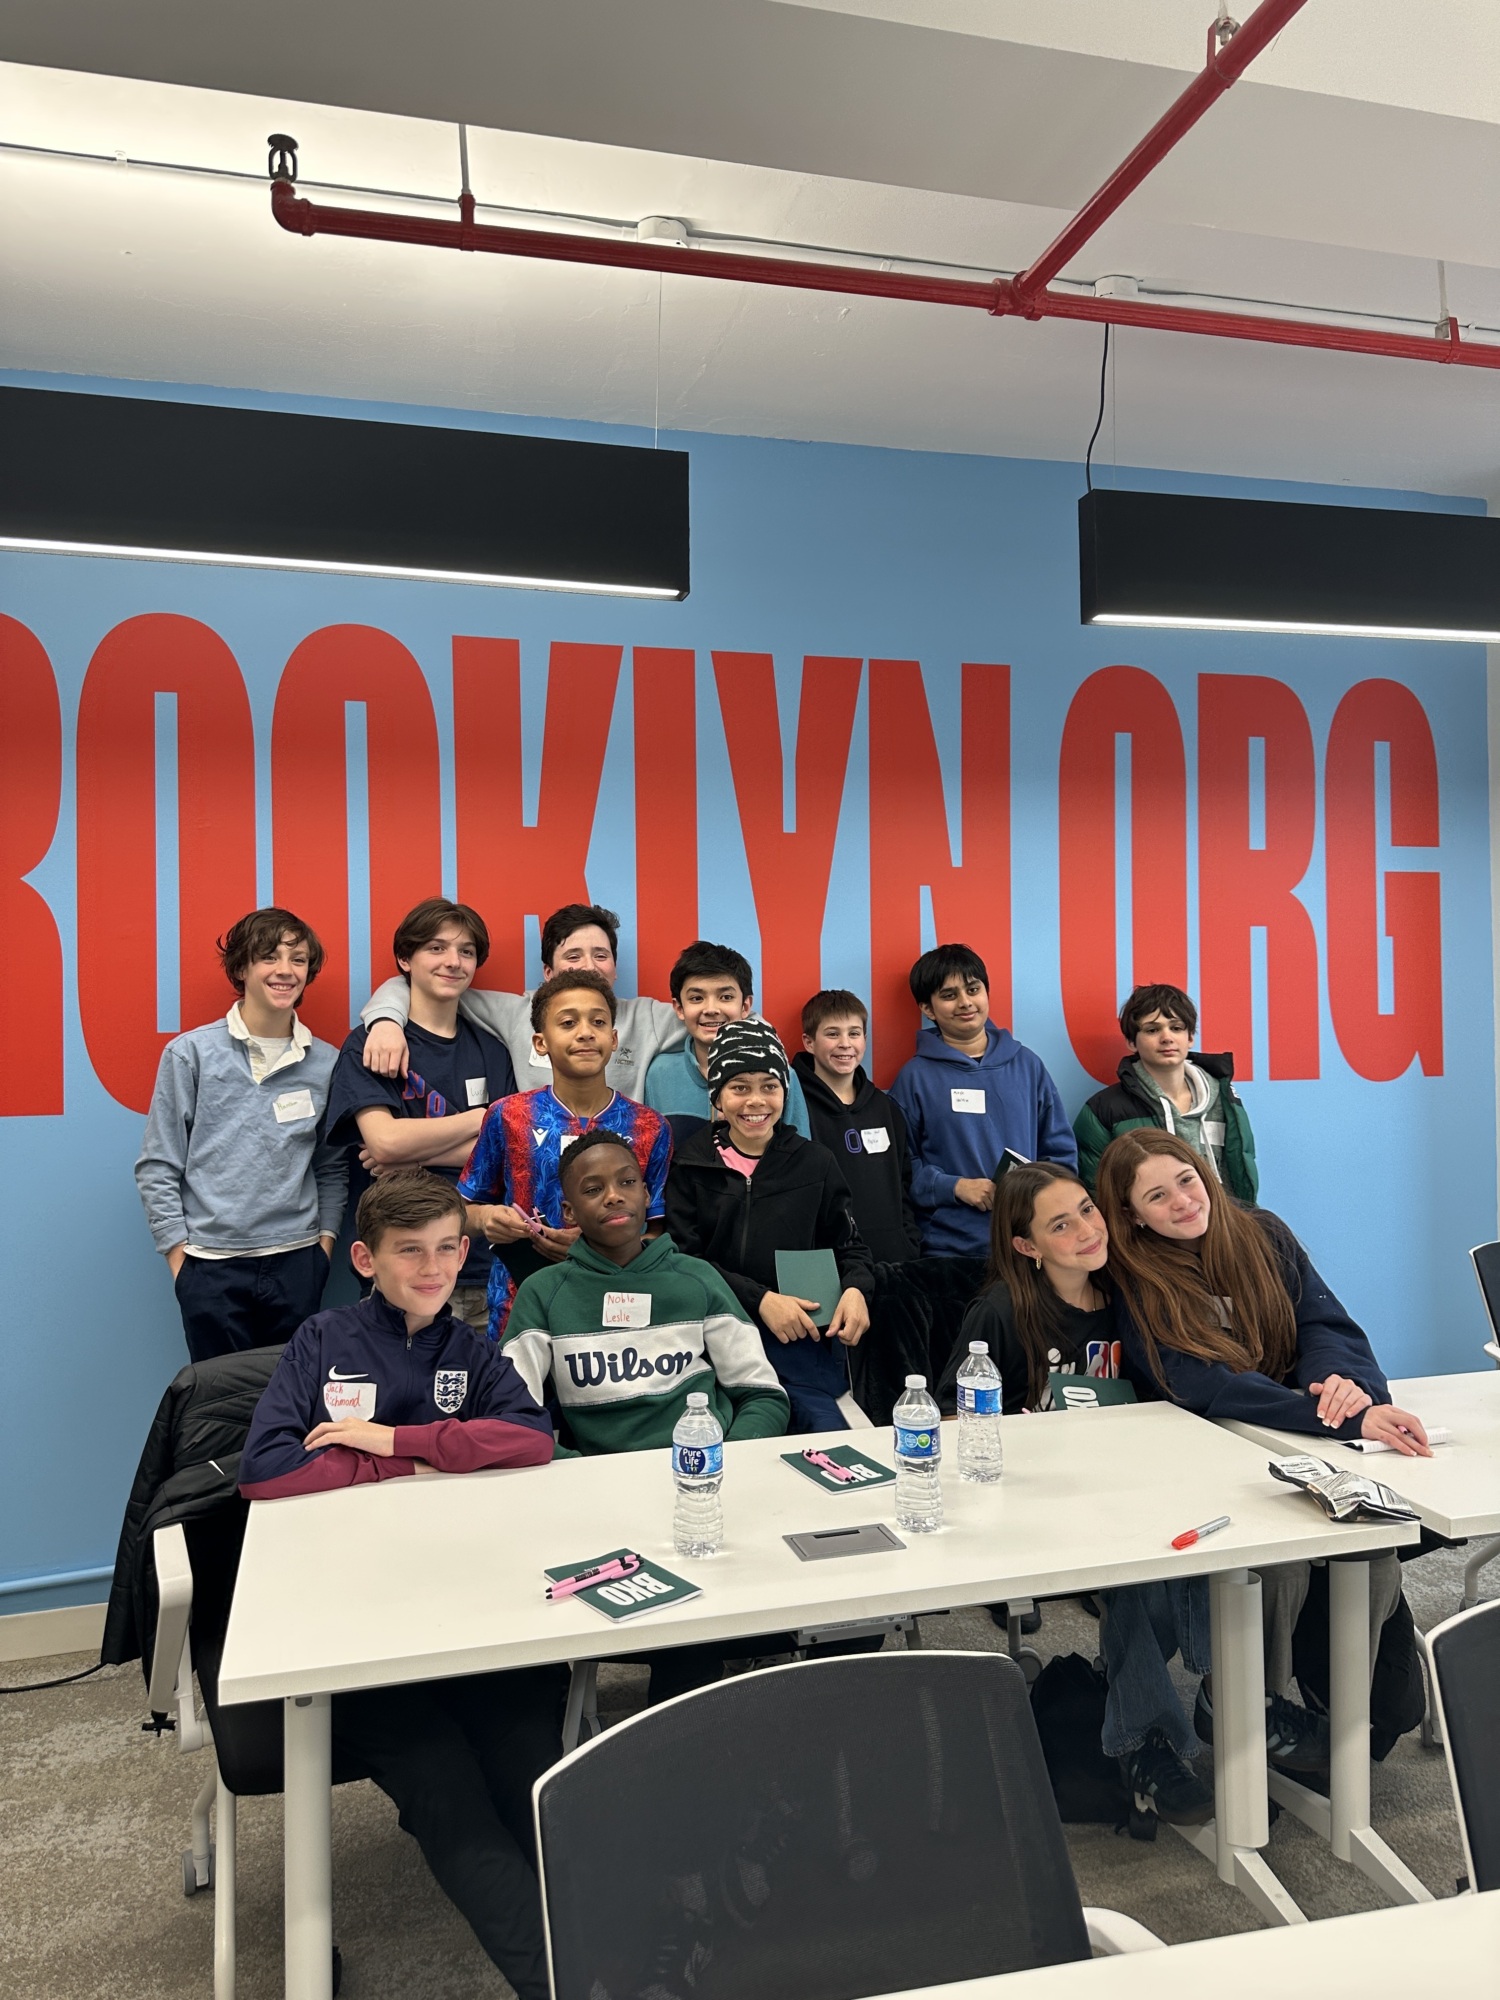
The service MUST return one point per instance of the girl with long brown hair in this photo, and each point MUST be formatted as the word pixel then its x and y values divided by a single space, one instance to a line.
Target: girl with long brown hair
pixel 1221 1307
pixel 1049 1309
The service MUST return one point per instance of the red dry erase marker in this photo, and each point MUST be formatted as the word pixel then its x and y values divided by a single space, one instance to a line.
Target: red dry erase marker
pixel 1186 1541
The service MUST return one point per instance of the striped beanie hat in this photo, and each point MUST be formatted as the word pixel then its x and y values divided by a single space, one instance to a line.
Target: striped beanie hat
pixel 741 1047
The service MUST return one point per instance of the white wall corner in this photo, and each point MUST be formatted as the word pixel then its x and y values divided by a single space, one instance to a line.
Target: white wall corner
pixel 39 1635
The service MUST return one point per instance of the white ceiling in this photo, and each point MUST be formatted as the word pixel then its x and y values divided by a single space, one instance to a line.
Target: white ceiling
pixel 1364 146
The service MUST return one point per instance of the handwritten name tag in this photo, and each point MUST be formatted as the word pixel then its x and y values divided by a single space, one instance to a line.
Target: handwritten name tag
pixel 349 1399
pixel 876 1138
pixel 968 1100
pixel 477 1088
pixel 292 1105
pixel 627 1309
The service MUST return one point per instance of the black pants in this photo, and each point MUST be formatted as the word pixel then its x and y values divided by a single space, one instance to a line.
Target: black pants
pixel 682 1668
pixel 230 1303
pixel 459 1758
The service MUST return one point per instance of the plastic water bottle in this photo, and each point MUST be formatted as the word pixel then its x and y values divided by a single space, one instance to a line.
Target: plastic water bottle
pixel 919 1450
pixel 698 1472
pixel 980 1452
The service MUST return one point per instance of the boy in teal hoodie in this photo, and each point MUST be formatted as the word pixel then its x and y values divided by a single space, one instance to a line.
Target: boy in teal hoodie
pixel 626 1328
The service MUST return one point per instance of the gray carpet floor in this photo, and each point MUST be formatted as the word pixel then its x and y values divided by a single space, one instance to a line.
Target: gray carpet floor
pixel 94 1817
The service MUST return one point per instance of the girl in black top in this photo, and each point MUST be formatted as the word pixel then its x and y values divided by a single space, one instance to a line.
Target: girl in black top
pixel 1048 1308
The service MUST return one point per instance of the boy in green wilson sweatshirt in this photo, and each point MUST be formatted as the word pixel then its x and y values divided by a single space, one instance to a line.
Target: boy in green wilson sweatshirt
pixel 626 1328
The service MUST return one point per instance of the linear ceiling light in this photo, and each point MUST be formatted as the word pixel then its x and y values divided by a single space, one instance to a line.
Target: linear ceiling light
pixel 266 489
pixel 1190 562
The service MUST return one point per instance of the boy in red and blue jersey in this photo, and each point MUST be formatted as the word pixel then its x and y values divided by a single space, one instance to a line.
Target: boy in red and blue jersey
pixel 513 1182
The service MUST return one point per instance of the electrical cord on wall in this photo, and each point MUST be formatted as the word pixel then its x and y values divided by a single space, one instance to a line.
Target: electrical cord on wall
pixel 1088 456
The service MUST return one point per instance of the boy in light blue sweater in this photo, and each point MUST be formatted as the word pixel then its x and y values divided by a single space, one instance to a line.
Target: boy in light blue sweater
pixel 711 984
pixel 243 1196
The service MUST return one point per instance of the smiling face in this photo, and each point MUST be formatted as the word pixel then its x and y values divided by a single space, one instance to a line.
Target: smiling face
pixel 415 1268
pixel 1168 1196
pixel 751 1104
pixel 444 967
pixel 274 985
pixel 1067 1231
pixel 960 1007
pixel 706 1002
pixel 1162 1041
pixel 578 1037
pixel 606 1197
pixel 584 950
pixel 837 1045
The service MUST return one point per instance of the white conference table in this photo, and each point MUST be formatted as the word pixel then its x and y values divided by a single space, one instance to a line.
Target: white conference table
pixel 419 1579
pixel 1456 1492
pixel 1378 1955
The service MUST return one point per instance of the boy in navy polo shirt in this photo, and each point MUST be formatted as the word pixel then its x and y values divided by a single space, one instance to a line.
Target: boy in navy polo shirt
pixel 456 1070
pixel 393 1386
pixel 513 1183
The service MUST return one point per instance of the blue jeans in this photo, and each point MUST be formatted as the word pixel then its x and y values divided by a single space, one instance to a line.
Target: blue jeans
pixel 1141 1627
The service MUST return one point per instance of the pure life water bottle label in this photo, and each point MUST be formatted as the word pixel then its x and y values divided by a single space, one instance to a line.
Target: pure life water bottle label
pixel 978 1402
pixel 698 1461
pixel 917 1444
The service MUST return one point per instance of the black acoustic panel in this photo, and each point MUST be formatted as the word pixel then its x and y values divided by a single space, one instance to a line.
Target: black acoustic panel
pixel 136 473
pixel 1145 556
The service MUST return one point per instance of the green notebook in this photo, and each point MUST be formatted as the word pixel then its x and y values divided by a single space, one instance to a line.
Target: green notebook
pixel 867 1472
pixel 1088 1392
pixel 651 1588
pixel 810 1274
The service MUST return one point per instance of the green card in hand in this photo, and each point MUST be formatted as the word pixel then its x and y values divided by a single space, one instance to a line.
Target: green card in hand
pixel 810 1274
pixel 1088 1392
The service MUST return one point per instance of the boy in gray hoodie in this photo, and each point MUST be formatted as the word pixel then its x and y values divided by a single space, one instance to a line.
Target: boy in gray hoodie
pixel 243 1196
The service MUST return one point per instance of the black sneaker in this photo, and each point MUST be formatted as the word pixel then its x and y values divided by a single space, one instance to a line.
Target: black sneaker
pixel 1159 1781
pixel 1296 1739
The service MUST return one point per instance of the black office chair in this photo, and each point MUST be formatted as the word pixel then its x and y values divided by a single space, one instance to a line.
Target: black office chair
pixel 1485 1258
pixel 1465 1655
pixel 819 1831
pixel 174 1582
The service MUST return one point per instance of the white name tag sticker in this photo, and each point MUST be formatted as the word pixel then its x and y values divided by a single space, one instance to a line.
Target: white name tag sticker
pixel 877 1139
pixel 349 1399
pixel 627 1308
pixel 968 1100
pixel 292 1105
pixel 1215 1133
pixel 478 1090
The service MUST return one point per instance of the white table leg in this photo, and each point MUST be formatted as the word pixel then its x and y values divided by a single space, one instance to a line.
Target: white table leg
pixel 1352 1836
pixel 308 1847
pixel 1241 1821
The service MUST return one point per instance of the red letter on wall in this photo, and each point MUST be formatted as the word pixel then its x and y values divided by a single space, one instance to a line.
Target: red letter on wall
pixel 1381 1046
pixel 910 850
pixel 116 750
pixel 310 798
pixel 510 871
pixel 1119 701
pixel 666 813
pixel 788 871
pixel 31 1010
pixel 1241 887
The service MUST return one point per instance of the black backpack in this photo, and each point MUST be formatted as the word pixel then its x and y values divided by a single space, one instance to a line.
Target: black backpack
pixel 1067 1702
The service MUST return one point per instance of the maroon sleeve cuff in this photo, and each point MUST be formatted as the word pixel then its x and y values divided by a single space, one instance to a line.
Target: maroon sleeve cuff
pixel 452 1446
pixel 335 1465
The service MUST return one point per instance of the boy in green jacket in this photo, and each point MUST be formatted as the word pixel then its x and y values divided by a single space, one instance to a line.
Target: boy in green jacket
pixel 626 1328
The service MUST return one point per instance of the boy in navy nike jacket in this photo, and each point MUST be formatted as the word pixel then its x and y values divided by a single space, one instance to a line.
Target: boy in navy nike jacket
pixel 398 1385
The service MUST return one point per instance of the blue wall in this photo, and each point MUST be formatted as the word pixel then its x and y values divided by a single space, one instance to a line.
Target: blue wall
pixel 798 549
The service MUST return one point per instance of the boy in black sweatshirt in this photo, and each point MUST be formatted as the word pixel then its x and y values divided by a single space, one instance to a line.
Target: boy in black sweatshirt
pixel 859 1124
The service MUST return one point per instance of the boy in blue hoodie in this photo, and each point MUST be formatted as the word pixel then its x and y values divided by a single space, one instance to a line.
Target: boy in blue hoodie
pixel 970 1092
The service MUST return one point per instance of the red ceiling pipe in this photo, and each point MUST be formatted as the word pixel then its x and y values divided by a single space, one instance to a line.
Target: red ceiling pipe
pixel 308 218
pixel 1225 66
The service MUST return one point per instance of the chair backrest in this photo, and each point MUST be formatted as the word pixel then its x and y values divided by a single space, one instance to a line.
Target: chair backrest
pixel 820 1832
pixel 1486 1261
pixel 1465 1655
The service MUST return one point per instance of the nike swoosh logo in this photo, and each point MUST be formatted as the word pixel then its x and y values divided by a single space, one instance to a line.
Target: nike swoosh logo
pixel 359 1375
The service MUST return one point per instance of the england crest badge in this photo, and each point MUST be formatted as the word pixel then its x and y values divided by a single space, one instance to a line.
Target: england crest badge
pixel 449 1387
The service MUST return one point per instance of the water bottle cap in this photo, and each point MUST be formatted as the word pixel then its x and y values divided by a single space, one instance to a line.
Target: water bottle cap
pixel 916 1381
pixel 697 1401
pixel 978 1347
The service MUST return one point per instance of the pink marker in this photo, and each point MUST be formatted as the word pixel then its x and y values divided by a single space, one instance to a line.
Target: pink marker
pixel 610 1572
pixel 825 1464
